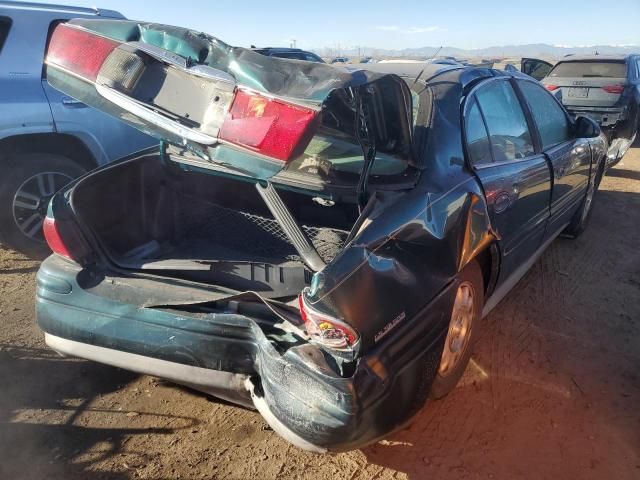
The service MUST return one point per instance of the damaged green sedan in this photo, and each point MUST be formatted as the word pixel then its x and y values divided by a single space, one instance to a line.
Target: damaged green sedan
pixel 318 243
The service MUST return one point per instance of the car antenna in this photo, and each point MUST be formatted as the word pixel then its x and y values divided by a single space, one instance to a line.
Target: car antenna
pixel 428 60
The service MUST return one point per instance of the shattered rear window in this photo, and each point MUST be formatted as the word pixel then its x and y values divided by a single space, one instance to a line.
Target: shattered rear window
pixel 336 156
pixel 586 69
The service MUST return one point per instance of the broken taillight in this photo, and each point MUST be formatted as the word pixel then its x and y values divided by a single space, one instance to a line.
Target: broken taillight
pixel 54 239
pixel 617 89
pixel 266 125
pixel 79 52
pixel 325 329
pixel 551 88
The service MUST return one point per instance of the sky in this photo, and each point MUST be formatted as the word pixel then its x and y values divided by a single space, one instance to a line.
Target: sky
pixel 394 24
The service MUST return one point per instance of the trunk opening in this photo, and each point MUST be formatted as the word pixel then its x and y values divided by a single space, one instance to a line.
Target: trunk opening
pixel 150 214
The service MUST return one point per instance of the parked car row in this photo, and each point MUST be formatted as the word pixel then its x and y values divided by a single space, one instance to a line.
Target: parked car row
pixel 318 243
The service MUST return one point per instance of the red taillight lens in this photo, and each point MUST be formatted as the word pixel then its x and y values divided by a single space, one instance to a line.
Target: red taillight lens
pixel 54 240
pixel 79 52
pixel 551 88
pixel 326 330
pixel 270 127
pixel 613 88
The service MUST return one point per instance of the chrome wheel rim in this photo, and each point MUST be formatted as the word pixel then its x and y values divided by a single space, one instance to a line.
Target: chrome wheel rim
pixel 31 201
pixel 459 329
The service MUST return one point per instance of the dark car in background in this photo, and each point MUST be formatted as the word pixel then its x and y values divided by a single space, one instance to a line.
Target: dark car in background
pixel 605 88
pixel 290 53
pixel 316 243
pixel 46 138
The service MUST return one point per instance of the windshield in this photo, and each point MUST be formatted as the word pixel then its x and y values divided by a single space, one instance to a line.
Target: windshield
pixel 613 69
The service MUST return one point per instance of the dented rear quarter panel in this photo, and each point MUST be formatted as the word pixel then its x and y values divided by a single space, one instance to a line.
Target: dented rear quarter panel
pixel 414 242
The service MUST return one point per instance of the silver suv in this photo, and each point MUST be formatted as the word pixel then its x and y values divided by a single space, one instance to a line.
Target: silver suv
pixel 46 137
pixel 604 87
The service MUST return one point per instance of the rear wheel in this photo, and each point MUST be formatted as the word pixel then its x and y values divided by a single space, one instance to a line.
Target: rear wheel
pixel 463 330
pixel 29 181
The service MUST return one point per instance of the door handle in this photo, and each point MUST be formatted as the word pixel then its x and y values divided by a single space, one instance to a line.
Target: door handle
pixel 502 202
pixel 72 103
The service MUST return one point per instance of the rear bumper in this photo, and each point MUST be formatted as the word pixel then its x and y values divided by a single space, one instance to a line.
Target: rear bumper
pixel 605 116
pixel 228 355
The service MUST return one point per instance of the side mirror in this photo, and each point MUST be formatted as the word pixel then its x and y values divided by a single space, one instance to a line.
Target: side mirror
pixel 586 127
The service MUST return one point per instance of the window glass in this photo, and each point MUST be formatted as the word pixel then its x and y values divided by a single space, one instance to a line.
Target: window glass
pixel 550 119
pixel 290 55
pixel 508 130
pixel 477 138
pixel 5 24
pixel 310 57
pixel 615 69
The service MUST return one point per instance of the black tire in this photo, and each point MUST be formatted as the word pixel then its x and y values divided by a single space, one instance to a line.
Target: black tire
pixel 448 376
pixel 582 216
pixel 27 183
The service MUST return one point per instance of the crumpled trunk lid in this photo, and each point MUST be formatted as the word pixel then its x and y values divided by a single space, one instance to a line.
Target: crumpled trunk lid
pixel 232 108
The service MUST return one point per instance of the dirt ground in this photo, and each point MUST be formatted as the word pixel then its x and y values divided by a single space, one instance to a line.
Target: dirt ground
pixel 553 390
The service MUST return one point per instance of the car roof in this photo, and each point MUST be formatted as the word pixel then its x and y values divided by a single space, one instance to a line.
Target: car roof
pixel 60 8
pixel 583 58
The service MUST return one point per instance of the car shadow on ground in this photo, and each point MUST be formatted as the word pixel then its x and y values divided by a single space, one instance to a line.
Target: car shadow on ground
pixel 9 271
pixel 46 411
pixel 623 173
pixel 554 382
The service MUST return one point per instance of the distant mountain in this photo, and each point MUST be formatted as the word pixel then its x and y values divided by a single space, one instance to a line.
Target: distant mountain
pixel 530 50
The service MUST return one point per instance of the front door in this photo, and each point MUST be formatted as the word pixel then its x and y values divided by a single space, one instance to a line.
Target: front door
pixel 516 179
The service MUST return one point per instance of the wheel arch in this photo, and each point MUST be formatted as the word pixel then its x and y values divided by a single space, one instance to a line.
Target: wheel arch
pixel 489 261
pixel 58 143
pixel 479 242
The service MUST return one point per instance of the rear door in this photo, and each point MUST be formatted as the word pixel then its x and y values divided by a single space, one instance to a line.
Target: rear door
pixel 535 68
pixel 569 157
pixel 516 179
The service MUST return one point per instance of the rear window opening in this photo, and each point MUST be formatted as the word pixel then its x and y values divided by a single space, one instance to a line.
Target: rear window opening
pixel 206 228
pixel 334 153
pixel 587 69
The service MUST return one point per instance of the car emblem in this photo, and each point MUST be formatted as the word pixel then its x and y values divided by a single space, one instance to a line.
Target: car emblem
pixel 579 82
pixel 389 326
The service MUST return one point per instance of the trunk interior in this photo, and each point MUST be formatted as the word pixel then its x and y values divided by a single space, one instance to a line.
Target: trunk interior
pixel 149 214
